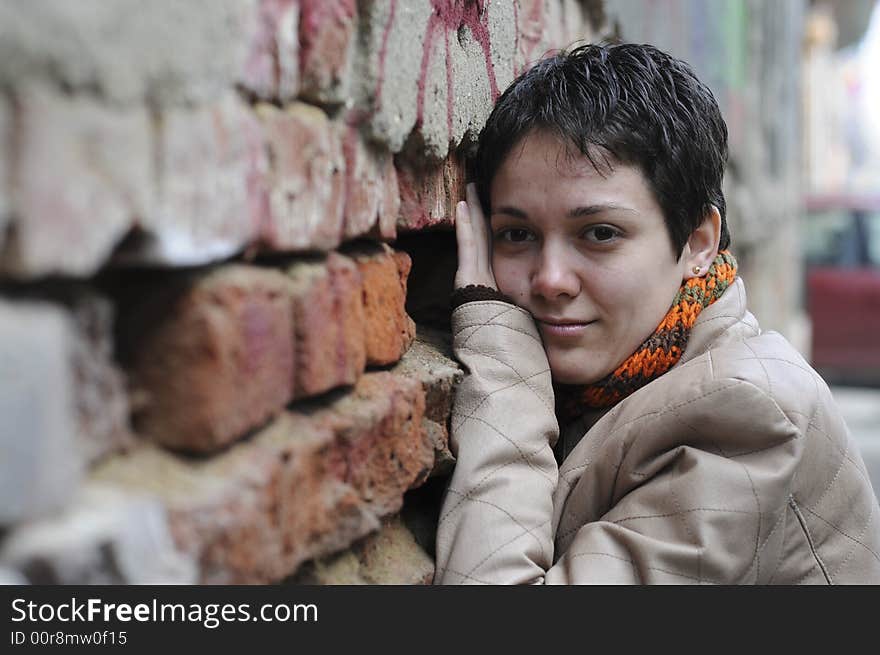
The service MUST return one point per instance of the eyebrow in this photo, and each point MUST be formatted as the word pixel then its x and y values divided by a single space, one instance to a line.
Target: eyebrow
pixel 577 212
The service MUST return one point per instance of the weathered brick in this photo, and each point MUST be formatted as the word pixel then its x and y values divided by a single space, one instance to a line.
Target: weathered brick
pixel 383 448
pixel 210 356
pixel 211 200
pixel 327 35
pixel 328 318
pixel 569 21
pixel 393 34
pixel 393 557
pixel 482 64
pixel 341 568
pixel 533 33
pixel 82 177
pixel 390 208
pixel 271 69
pixel 100 391
pixel 371 194
pixel 363 184
pixel 307 178
pixel 390 556
pixel 310 483
pixel 103 537
pixel 41 465
pixel 164 51
pixel 435 97
pixel 428 195
pixel 252 513
pixel 388 329
pixel 99 386
pixel 429 361
pixel 432 70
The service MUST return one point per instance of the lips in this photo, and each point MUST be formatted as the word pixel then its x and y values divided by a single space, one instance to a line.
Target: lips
pixel 558 327
pixel 560 321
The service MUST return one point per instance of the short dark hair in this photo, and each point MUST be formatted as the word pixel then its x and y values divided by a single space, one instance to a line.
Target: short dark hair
pixel 635 103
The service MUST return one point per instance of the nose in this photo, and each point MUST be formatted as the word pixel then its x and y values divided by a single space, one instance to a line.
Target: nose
pixel 553 277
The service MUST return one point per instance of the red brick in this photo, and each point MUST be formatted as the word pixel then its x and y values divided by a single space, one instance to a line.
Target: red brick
pixel 372 200
pixel 271 69
pixel 307 179
pixel 329 321
pixel 309 484
pixel 363 184
pixel 327 35
pixel 382 446
pixel 212 356
pixel 388 329
pixel 390 208
pixel 253 513
pixel 428 196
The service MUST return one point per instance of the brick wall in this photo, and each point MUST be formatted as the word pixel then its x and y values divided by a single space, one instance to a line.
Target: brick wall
pixel 211 214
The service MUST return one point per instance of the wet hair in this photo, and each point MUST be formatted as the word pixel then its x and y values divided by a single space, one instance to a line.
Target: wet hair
pixel 630 104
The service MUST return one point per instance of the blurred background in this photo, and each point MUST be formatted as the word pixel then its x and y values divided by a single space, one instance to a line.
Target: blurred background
pixel 840 227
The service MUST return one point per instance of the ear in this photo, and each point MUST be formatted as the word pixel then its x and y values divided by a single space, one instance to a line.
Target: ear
pixel 702 246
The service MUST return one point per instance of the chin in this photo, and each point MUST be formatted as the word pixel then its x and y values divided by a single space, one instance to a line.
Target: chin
pixel 574 375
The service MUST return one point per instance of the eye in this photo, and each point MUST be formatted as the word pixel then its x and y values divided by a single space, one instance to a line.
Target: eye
pixel 601 233
pixel 515 235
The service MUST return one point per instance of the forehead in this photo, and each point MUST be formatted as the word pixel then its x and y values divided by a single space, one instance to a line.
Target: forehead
pixel 543 166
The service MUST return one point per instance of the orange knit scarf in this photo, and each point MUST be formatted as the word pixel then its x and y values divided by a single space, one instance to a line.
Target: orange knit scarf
pixel 660 351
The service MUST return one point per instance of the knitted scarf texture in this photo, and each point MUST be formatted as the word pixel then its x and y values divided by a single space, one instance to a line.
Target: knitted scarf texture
pixel 660 351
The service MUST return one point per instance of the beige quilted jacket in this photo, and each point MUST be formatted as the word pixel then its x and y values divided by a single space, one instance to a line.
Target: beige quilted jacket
pixel 733 467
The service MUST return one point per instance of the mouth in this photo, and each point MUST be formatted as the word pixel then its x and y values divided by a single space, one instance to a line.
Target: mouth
pixel 562 327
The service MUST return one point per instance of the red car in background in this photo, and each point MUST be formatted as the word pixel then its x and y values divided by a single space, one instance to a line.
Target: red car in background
pixel 841 239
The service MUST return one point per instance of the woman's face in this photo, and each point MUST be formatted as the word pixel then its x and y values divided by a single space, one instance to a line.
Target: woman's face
pixel 588 256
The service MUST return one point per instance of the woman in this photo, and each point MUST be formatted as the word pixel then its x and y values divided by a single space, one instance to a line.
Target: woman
pixel 598 293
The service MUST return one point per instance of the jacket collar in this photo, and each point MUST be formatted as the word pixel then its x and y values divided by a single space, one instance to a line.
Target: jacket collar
pixel 724 320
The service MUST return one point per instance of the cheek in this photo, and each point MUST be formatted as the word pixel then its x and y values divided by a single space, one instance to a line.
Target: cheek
pixel 633 296
pixel 613 292
pixel 511 275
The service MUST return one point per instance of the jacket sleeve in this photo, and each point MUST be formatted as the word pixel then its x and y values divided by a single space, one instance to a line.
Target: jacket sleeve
pixel 495 523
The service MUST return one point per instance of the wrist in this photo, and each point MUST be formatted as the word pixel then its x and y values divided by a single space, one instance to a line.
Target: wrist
pixel 477 292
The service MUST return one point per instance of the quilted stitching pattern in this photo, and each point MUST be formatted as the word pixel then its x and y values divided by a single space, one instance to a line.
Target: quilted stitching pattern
pixel 733 467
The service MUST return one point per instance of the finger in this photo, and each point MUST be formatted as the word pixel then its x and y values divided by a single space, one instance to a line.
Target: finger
pixel 479 228
pixel 465 240
pixel 463 228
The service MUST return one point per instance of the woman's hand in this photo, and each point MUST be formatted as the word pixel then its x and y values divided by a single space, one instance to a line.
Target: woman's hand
pixel 474 246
